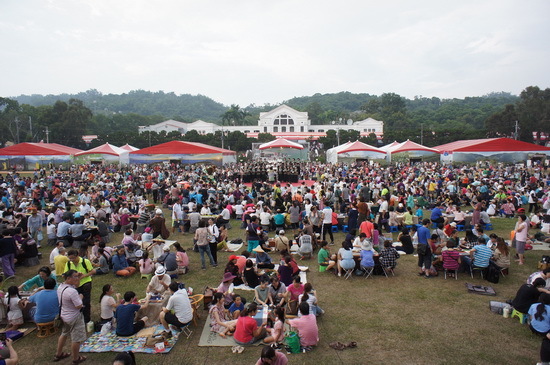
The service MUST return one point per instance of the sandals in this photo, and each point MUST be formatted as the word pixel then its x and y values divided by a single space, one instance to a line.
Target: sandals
pixel 63 355
pixel 79 360
pixel 237 349
pixel 340 346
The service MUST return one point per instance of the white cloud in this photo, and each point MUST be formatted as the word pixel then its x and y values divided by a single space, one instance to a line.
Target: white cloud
pixel 256 52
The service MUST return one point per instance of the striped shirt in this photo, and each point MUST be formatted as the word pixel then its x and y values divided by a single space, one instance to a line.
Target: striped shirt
pixel 482 255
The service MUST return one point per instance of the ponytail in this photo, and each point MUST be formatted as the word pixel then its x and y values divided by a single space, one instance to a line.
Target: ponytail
pixel 541 311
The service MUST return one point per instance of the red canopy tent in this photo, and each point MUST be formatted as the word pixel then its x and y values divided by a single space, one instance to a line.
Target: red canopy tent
pixel 498 149
pixel 104 149
pixel 408 146
pixel 360 146
pixel 30 156
pixel 129 148
pixel 180 152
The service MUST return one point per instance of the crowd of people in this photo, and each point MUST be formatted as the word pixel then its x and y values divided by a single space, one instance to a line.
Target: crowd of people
pixel 76 211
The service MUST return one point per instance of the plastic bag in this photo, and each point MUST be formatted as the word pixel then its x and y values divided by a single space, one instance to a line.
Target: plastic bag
pixel 40 236
pixel 293 342
pixel 106 328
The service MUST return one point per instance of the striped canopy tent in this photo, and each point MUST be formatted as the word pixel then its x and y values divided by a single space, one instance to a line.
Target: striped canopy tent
pixel 355 151
pixel 388 146
pixel 283 148
pixel 129 148
pixel 106 153
pixel 412 151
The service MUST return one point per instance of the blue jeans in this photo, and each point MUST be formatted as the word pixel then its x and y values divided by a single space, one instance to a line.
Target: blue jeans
pixel 202 250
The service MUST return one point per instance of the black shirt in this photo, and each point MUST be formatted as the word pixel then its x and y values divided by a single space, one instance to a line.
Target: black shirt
pixel 525 297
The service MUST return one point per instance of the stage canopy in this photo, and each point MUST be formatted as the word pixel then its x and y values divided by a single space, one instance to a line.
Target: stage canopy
pixel 354 151
pixel 281 143
pixel 412 151
pixel 179 152
pixel 498 149
pixel 389 146
pixel 31 156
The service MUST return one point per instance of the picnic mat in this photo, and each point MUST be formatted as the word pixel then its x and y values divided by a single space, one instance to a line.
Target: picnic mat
pixel 212 339
pixel 480 289
pixel 303 277
pixel 232 247
pixel 113 343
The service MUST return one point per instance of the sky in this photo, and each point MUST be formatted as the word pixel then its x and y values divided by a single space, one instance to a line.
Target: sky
pixel 256 52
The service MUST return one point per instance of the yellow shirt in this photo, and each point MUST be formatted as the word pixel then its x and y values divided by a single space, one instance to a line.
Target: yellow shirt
pixel 60 261
pixel 80 268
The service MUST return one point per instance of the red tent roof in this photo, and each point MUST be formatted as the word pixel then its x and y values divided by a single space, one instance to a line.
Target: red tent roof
pixel 222 150
pixel 38 149
pixel 129 148
pixel 490 145
pixel 360 146
pixel 409 145
pixel 104 149
pixel 177 148
pixel 281 143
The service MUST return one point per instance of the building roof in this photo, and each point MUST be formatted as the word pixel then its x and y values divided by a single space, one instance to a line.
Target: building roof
pixel 281 143
pixel 38 149
pixel 104 149
pixel 177 148
pixel 409 145
pixel 490 145
pixel 359 146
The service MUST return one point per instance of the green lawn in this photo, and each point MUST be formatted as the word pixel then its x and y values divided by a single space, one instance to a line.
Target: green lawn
pixel 404 319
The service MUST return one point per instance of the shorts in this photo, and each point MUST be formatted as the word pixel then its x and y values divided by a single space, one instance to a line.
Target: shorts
pixel 171 318
pixel 76 328
pixel 177 223
pixel 16 321
pixel 520 247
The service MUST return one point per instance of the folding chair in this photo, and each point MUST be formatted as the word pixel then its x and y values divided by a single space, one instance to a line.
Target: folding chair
pixel 348 273
pixel 368 271
pixel 383 269
pixel 477 268
pixel 455 272
pixel 387 270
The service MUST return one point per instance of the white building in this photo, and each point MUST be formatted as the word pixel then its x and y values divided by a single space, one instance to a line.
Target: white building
pixel 283 121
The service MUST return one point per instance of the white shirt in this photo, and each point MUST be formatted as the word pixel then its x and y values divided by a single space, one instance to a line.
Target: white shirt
pixel 265 218
pixel 181 305
pixel 327 216
pixel 53 254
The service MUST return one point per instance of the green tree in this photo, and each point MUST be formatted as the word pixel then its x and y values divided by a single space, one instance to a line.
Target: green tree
pixel 265 137
pixel 234 115
pixel 502 124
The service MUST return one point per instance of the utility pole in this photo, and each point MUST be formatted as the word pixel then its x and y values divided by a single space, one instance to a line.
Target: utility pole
pixel 516 131
pixel 30 126
pixel 422 133
pixel 47 135
pixel 17 130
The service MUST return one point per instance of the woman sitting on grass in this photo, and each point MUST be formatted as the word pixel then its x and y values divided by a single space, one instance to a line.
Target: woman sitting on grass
pixel 219 322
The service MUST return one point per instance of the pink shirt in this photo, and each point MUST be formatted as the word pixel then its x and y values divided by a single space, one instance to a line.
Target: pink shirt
pixel 280 359
pixel 183 259
pixel 307 329
pixel 145 267
pixel 69 301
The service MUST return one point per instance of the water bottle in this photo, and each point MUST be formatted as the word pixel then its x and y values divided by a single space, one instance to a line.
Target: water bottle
pixel 506 312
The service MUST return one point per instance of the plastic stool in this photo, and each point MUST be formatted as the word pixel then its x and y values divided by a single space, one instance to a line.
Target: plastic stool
pixel 322 268
pixel 460 227
pixel 409 227
pixel 394 229
pixel 334 229
pixel 146 276
pixel 522 316
pixel 489 227
pixel 345 229
pixel 45 329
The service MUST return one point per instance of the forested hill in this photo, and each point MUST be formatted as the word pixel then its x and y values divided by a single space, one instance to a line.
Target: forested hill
pixel 185 107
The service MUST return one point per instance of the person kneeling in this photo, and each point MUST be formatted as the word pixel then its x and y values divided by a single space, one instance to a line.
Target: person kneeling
pixel 125 315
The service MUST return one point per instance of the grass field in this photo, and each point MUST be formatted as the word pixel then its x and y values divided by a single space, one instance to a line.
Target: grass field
pixel 404 319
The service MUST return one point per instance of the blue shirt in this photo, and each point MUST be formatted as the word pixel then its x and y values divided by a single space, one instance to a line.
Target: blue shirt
pixel 125 319
pixel 367 259
pixel 482 255
pixel 423 234
pixel 436 214
pixel 63 229
pixel 47 305
pixel 234 308
pixel 543 325
pixel 119 262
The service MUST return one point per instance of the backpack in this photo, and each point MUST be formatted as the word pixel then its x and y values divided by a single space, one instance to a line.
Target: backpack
pixel 85 263
pixel 493 274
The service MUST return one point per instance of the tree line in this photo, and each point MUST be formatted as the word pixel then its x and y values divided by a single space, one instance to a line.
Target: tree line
pixel 115 118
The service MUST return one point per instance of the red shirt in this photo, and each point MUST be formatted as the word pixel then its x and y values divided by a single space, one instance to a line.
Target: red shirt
pixel 244 332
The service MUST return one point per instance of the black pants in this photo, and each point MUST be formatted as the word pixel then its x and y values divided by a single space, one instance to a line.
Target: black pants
pixel 138 326
pixel 545 350
pixel 327 228
pixel 86 291
pixel 214 250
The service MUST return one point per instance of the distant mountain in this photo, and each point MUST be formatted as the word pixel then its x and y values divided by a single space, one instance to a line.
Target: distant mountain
pixel 185 107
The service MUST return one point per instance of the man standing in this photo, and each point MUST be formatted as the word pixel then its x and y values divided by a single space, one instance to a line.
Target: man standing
pixel 85 270
pixel 177 216
pixel 73 320
pixel 423 249
pixel 327 223
pixel 34 225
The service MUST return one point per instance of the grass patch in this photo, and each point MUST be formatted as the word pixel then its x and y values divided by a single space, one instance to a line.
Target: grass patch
pixel 402 319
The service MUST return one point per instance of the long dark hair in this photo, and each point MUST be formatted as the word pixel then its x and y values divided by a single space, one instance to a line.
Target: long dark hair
pixel 541 308
pixel 104 291
pixel 307 290
pixel 12 291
